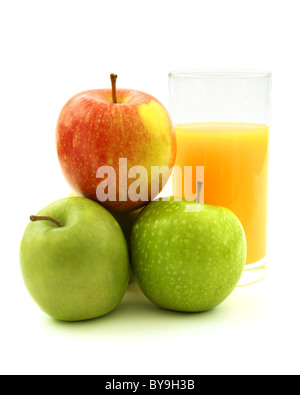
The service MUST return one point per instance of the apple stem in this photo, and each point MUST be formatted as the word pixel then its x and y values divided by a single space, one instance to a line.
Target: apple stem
pixel 199 189
pixel 34 218
pixel 113 78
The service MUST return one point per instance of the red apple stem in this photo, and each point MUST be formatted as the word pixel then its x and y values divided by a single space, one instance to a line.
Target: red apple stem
pixel 34 218
pixel 113 78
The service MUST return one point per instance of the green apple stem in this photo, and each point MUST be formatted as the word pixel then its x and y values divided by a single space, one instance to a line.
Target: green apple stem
pixel 113 78
pixel 199 189
pixel 34 218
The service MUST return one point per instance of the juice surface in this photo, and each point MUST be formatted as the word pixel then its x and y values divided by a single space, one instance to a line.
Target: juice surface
pixel 235 160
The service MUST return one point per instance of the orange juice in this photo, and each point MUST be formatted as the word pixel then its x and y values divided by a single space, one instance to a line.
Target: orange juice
pixel 235 160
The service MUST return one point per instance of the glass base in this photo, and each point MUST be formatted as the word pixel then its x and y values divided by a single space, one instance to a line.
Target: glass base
pixel 253 273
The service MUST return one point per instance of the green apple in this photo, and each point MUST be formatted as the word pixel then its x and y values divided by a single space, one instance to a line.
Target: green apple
pixel 126 221
pixel 74 260
pixel 187 256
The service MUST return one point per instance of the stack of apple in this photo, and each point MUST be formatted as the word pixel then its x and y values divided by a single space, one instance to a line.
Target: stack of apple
pixel 77 253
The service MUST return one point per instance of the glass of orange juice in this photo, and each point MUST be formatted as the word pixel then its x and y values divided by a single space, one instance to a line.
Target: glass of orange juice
pixel 222 123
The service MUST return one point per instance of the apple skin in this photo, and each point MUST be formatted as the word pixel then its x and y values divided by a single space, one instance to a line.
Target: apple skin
pixel 92 131
pixel 126 221
pixel 81 270
pixel 187 257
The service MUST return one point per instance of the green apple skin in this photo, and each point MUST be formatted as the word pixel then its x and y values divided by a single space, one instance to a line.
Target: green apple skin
pixel 126 221
pixel 187 256
pixel 81 270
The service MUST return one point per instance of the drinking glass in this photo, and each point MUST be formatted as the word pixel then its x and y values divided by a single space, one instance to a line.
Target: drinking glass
pixel 222 120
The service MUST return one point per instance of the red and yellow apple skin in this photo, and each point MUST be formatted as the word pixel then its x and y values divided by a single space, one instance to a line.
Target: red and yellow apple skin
pixel 92 131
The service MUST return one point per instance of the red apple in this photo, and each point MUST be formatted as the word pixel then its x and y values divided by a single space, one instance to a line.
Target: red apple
pixel 99 127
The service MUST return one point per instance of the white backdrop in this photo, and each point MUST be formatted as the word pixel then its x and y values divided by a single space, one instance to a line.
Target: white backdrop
pixel 51 50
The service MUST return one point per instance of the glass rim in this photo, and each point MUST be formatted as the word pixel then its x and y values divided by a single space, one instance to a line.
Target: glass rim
pixel 219 73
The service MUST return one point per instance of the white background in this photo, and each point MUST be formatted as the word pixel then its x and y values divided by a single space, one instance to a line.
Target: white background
pixel 51 50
